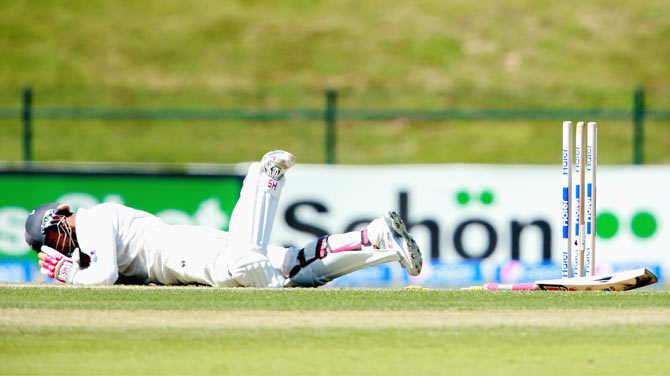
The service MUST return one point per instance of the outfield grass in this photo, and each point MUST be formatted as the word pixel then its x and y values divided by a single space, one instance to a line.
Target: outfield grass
pixel 203 331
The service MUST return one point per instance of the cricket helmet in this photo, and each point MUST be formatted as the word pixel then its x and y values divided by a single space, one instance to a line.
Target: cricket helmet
pixel 43 218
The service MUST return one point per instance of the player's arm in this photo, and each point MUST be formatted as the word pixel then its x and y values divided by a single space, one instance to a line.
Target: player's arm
pixel 99 245
pixel 101 248
pixel 65 269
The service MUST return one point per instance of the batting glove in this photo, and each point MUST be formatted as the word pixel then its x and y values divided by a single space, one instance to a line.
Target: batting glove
pixel 55 265
pixel 254 270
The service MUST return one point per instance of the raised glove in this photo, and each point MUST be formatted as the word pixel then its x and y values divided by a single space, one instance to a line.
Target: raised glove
pixel 55 265
pixel 254 270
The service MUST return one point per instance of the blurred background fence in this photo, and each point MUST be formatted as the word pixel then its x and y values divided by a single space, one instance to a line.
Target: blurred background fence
pixel 331 114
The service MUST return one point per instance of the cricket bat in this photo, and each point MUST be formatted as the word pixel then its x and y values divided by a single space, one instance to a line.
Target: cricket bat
pixel 621 281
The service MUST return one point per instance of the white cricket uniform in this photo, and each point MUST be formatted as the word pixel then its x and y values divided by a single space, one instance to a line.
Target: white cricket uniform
pixel 125 241
pixel 129 242
pixel 133 243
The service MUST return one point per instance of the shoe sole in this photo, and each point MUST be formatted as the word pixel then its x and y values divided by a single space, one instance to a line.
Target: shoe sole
pixel 411 254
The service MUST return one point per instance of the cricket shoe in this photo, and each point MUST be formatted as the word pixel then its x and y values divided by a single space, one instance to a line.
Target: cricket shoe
pixel 389 232
pixel 275 163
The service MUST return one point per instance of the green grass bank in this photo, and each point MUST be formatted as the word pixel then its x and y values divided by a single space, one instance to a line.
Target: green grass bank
pixel 425 54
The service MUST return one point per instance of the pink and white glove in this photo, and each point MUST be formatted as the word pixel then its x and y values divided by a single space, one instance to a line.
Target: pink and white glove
pixel 55 265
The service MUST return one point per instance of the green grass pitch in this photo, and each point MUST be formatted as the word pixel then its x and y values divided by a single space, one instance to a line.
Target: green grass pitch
pixel 49 329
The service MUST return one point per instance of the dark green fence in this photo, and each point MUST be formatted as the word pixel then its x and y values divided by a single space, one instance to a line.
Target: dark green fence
pixel 330 114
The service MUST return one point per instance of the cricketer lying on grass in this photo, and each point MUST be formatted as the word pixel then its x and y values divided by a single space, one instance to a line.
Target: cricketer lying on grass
pixel 109 242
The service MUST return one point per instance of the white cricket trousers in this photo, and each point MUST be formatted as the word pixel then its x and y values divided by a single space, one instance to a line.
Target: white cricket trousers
pixel 203 257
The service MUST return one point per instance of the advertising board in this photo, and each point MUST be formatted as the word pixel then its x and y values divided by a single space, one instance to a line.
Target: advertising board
pixel 483 222
pixel 474 223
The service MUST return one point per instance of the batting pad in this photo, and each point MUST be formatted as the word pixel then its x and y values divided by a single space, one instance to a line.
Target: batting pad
pixel 252 219
pixel 336 265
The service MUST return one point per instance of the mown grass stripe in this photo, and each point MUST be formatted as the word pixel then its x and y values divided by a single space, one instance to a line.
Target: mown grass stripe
pixel 556 318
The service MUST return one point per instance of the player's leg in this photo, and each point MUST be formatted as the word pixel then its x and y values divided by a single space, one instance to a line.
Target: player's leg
pixel 252 219
pixel 253 216
pixel 383 240
pixel 193 255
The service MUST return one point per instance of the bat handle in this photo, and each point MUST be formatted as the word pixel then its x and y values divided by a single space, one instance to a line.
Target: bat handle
pixel 511 287
pixel 504 287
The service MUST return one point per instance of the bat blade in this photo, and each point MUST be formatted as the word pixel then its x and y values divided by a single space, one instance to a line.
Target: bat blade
pixel 621 281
